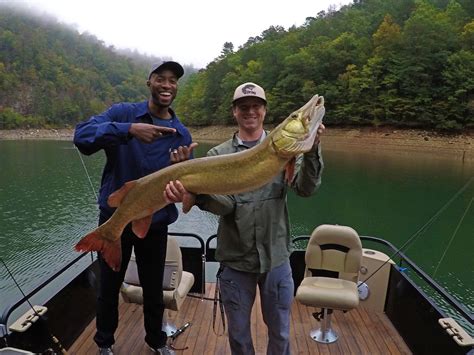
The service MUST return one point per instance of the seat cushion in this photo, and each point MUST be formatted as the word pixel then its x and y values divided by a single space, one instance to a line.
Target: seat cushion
pixel 174 299
pixel 326 292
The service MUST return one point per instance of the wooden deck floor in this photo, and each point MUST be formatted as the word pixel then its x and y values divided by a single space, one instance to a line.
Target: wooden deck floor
pixel 360 332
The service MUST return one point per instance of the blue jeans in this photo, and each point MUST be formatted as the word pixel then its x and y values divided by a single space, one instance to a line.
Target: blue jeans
pixel 238 290
pixel 150 254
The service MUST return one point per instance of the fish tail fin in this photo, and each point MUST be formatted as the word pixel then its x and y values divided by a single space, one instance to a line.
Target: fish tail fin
pixel 111 250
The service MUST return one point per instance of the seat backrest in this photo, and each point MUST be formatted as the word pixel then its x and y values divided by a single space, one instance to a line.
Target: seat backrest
pixel 176 282
pixel 173 267
pixel 334 251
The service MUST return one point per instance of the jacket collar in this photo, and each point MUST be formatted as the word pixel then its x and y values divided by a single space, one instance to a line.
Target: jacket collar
pixel 142 110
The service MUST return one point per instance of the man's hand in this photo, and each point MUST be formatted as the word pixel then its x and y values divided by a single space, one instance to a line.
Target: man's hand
pixel 148 133
pixel 182 153
pixel 175 192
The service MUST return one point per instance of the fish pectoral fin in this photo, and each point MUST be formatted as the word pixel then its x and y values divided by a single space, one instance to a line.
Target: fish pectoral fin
pixel 112 254
pixel 115 198
pixel 188 202
pixel 141 226
pixel 290 170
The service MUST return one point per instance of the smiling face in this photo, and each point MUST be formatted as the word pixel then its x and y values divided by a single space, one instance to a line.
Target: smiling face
pixel 249 112
pixel 163 87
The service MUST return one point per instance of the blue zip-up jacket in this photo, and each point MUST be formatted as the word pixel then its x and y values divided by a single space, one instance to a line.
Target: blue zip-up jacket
pixel 127 158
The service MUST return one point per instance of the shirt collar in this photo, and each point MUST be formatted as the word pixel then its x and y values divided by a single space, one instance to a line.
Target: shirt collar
pixel 239 141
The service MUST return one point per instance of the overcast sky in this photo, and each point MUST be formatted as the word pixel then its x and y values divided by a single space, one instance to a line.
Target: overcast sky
pixel 191 32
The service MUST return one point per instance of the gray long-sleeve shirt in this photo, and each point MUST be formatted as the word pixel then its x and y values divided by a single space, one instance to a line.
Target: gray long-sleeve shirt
pixel 254 231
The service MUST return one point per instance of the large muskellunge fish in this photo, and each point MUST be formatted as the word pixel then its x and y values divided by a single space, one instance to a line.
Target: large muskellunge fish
pixel 228 174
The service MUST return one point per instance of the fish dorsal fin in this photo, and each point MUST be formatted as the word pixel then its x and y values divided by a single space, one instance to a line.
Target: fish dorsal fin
pixel 290 170
pixel 141 226
pixel 115 198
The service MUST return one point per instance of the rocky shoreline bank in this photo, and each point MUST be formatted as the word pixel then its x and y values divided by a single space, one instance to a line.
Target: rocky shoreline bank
pixel 459 146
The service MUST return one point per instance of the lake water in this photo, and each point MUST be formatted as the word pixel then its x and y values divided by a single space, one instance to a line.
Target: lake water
pixel 47 203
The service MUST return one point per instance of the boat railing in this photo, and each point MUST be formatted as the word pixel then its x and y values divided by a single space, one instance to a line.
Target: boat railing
pixel 10 309
pixel 402 261
pixel 191 262
pixel 7 312
pixel 206 253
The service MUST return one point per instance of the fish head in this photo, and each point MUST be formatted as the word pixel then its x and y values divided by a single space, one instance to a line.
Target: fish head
pixel 296 134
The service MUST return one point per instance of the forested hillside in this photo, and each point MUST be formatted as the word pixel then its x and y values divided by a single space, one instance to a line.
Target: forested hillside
pixel 406 63
pixel 377 62
pixel 51 76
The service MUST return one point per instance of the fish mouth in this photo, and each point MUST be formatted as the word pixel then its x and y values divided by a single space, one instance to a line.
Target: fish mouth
pixel 315 117
pixel 304 126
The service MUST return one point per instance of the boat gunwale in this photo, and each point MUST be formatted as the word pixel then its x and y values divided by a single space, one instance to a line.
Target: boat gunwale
pixel 208 251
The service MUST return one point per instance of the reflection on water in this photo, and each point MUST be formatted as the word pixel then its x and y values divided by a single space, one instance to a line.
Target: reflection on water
pixel 46 205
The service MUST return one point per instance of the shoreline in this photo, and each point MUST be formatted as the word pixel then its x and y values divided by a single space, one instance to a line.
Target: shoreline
pixel 460 146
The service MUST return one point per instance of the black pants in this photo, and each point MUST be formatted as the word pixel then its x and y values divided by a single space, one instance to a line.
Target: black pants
pixel 150 254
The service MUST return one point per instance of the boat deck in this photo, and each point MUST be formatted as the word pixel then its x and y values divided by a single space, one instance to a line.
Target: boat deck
pixel 360 331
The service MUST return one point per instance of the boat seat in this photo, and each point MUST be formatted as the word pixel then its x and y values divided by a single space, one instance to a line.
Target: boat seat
pixel 333 258
pixel 176 282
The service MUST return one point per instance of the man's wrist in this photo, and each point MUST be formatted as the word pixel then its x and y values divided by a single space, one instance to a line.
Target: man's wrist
pixel 129 135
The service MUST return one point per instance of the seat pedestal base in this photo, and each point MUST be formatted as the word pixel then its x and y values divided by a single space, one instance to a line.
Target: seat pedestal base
pixel 327 337
pixel 169 328
pixel 325 334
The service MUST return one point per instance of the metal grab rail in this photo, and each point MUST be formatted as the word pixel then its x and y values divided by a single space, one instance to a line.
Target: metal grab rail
pixel 210 250
pixel 200 240
pixel 203 255
pixel 404 259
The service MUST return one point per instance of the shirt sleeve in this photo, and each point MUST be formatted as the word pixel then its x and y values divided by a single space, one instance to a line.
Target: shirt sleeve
pixel 220 205
pixel 102 131
pixel 309 167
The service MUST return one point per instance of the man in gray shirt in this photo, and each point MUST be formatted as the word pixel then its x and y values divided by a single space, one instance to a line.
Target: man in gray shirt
pixel 253 237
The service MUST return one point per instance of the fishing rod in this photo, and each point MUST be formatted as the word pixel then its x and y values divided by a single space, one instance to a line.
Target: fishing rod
pixel 452 237
pixel 35 312
pixel 87 173
pixel 419 231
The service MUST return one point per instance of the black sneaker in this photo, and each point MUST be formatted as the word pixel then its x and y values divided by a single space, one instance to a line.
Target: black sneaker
pixel 106 351
pixel 164 350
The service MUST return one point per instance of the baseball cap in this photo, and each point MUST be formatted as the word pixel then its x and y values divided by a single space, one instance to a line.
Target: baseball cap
pixel 175 67
pixel 249 90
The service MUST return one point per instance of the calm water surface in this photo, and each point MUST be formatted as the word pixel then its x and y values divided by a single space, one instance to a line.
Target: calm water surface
pixel 47 203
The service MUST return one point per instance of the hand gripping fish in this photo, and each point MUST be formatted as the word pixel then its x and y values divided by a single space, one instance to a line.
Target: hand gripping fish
pixel 228 174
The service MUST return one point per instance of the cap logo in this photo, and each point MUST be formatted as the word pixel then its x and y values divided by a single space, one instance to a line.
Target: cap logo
pixel 249 90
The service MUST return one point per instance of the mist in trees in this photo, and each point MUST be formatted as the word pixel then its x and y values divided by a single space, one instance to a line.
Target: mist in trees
pixel 404 63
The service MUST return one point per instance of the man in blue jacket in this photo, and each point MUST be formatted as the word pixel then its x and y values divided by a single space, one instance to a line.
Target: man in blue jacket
pixel 138 139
